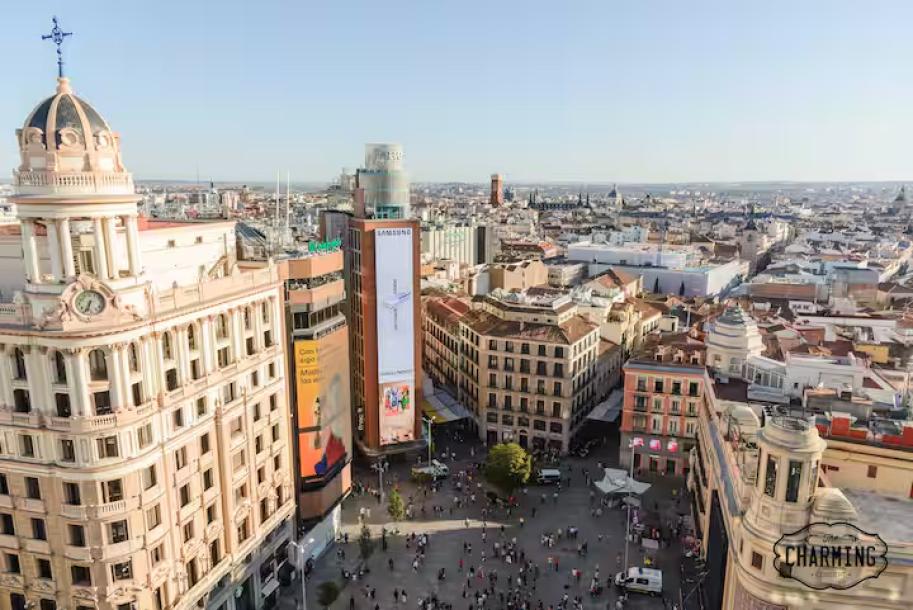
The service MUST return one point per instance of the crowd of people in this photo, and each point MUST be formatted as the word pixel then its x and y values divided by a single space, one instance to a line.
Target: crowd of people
pixel 494 569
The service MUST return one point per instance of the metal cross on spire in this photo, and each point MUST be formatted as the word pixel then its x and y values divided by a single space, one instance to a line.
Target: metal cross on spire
pixel 57 35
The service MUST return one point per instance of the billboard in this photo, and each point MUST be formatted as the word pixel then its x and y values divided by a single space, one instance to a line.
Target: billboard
pixel 394 276
pixel 322 384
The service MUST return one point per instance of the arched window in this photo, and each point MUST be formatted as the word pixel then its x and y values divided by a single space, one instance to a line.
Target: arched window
pixel 191 338
pixel 60 368
pixel 133 357
pixel 18 358
pixel 222 326
pixel 167 346
pixel 98 365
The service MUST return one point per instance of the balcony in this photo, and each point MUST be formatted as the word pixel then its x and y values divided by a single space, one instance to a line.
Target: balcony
pixel 37 546
pixel 77 553
pixel 74 183
pixel 9 541
pixel 102 511
pixel 31 505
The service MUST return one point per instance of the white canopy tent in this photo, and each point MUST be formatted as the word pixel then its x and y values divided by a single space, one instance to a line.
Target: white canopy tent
pixel 618 482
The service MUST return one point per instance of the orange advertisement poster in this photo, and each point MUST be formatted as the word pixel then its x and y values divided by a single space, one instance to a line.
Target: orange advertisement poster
pixel 324 420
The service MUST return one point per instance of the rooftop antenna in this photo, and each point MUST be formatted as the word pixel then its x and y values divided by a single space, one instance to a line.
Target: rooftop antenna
pixel 57 36
pixel 276 211
pixel 288 207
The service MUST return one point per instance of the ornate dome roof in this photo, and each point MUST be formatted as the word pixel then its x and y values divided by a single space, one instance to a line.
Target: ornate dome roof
pixel 67 147
pixel 68 118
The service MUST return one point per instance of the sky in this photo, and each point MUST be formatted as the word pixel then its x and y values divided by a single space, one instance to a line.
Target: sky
pixel 578 91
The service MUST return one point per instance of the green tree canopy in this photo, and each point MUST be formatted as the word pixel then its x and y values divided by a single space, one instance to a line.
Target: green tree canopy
pixel 395 507
pixel 508 466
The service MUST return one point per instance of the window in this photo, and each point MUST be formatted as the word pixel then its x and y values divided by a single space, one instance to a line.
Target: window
pixel 150 477
pixel 76 535
pixel 62 402
pixel 4 486
pixel 188 531
pixel 171 380
pixel 211 514
pixel 157 554
pixel 559 352
pixel 118 531
pixel 167 346
pixel 144 435
pixel 67 450
pixel 185 495
pixel 555 427
pixel 98 365
pixel 180 458
pixel 237 426
pixel 275 433
pixel 792 481
pixel 112 491
pixel 22 403
pixel 39 529
pixel 60 368
pixel 122 571
pixel 26 445
pixel 207 478
pixel 12 563
pixel 32 488
pixel 71 494
pixel 19 370
pixel 770 476
pixel 107 447
pixel 81 576
pixel 244 530
pixel 261 474
pixel 177 418
pixel 137 392
pixel 222 327
pixel 133 358
pixel 556 409
pixel 214 555
pixel 258 444
pixel 556 389
pixel 44 569
pixel 692 388
pixel 872 472
pixel 201 406
pixel 204 444
pixel 757 561
pixel 153 517
pixel 191 338
pixel 7 525
pixel 102 402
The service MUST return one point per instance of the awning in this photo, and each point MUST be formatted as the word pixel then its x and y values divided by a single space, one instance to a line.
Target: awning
pixel 617 482
pixel 609 409
pixel 269 586
pixel 440 406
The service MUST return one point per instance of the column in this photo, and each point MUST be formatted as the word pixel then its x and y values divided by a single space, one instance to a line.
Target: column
pixel 132 244
pixel 236 333
pixel 182 355
pixel 6 378
pixel 54 250
pixel 116 377
pixel 207 349
pixel 149 367
pixel 76 374
pixel 101 253
pixel 66 248
pixel 111 244
pixel 30 252
pixel 257 323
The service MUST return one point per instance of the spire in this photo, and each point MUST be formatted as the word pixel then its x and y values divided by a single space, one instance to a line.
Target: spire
pixel 57 36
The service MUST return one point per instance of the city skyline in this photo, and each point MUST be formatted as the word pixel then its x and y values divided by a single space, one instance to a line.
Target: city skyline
pixel 588 94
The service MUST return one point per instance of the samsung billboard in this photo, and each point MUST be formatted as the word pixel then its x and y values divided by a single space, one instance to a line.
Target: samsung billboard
pixel 394 275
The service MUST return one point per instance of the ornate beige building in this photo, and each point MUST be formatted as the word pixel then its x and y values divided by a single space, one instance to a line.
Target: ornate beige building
pixel 144 431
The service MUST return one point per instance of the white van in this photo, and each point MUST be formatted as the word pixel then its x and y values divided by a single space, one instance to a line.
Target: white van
pixel 548 476
pixel 641 580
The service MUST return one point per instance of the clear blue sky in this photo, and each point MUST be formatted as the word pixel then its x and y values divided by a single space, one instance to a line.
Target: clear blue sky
pixel 608 90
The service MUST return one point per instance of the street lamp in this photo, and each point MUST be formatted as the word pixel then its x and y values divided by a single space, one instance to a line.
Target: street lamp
pixel 302 563
pixel 628 502
pixel 379 466
pixel 428 421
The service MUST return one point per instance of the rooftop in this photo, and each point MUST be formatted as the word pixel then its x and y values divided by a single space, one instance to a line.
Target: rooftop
pixel 887 516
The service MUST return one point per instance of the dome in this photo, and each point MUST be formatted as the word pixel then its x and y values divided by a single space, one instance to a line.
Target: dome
pixel 66 148
pixel 69 119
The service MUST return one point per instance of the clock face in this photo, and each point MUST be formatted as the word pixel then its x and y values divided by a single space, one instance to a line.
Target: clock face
pixel 89 302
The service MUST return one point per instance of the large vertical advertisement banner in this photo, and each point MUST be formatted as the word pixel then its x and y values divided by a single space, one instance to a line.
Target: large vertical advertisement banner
pixel 395 334
pixel 322 384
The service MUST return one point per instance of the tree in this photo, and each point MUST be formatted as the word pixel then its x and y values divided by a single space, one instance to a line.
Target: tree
pixel 395 507
pixel 327 593
pixel 508 466
pixel 365 544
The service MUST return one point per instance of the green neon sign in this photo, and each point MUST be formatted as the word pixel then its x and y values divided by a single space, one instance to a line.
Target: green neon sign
pixel 324 246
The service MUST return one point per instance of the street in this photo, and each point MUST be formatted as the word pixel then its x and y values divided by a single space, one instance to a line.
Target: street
pixel 445 524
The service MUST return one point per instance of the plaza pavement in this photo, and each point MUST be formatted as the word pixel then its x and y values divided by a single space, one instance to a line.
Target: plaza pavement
pixel 448 533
